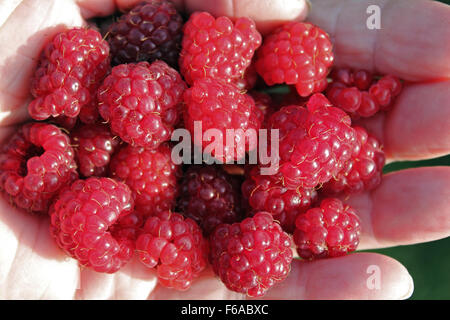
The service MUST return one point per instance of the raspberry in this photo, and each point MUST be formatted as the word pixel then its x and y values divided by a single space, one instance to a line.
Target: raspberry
pixel 266 193
pixel 151 176
pixel 94 145
pixel 35 164
pixel 210 196
pixel 315 142
pixel 81 218
pixel 217 48
pixel 363 171
pixel 142 102
pixel 297 53
pixel 223 108
pixel 331 230
pixel 66 80
pixel 251 256
pixel 151 31
pixel 356 92
pixel 174 245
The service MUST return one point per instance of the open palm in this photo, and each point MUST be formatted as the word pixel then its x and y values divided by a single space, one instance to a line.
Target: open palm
pixel 409 207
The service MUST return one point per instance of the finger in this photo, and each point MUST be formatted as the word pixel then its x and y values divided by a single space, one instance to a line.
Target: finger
pixel 100 8
pixel 206 287
pixel 134 281
pixel 39 21
pixel 31 265
pixel 412 42
pixel 418 126
pixel 410 206
pixel 268 14
pixel 355 276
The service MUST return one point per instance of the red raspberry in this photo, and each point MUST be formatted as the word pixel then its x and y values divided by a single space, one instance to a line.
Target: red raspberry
pixel 217 48
pixel 363 171
pixel 266 193
pixel 70 69
pixel 221 107
pixel 142 102
pixel 151 176
pixel 251 256
pixel 81 218
pixel 297 53
pixel 35 164
pixel 210 196
pixel 174 245
pixel 331 230
pixel 359 94
pixel 315 142
pixel 151 31
pixel 94 145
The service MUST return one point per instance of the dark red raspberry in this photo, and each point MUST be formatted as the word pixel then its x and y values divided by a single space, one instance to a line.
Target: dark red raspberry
pixel 217 48
pixel 315 142
pixel 175 246
pixel 70 69
pixel 251 256
pixel 35 163
pixel 297 53
pixel 331 230
pixel 81 218
pixel 210 196
pixel 266 193
pixel 363 171
pixel 141 102
pixel 219 106
pixel 358 93
pixel 151 176
pixel 151 31
pixel 94 144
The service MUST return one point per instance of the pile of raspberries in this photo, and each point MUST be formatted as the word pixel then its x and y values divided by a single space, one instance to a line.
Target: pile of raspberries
pixel 98 156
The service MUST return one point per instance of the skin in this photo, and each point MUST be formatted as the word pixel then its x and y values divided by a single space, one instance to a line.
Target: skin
pixel 410 206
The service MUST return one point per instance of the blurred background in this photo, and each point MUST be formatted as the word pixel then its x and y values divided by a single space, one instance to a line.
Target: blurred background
pixel 428 263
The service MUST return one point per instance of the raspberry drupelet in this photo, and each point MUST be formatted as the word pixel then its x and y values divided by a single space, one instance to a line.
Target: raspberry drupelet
pixel 68 74
pixel 251 256
pixel 331 230
pixel 297 53
pixel 150 31
pixel 360 94
pixel 363 171
pixel 175 246
pixel 221 107
pixel 142 102
pixel 151 176
pixel 267 193
pixel 217 48
pixel 94 144
pixel 35 163
pixel 315 142
pixel 210 196
pixel 81 220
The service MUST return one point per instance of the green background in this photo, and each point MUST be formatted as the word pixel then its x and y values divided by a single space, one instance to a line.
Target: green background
pixel 428 263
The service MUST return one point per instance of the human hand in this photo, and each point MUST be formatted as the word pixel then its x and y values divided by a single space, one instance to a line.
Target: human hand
pixel 32 266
